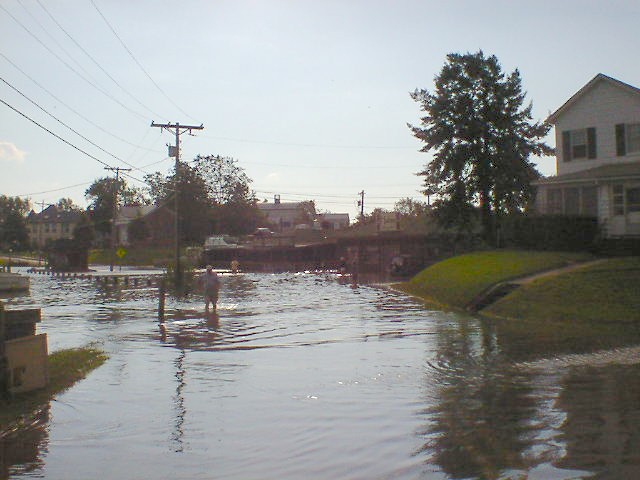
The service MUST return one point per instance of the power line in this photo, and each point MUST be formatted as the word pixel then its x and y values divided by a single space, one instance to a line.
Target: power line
pixel 70 128
pixel 55 135
pixel 312 145
pixel 52 38
pixel 328 195
pixel 95 61
pixel 54 190
pixel 66 64
pixel 73 110
pixel 60 121
pixel 137 62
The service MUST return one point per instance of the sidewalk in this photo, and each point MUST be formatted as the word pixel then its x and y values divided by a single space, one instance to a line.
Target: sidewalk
pixel 555 271
pixel 500 289
pixel 17 260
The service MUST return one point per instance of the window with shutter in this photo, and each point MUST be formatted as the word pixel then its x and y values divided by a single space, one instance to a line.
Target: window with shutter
pixel 578 144
pixel 591 142
pixel 632 137
pixel 566 146
pixel 621 148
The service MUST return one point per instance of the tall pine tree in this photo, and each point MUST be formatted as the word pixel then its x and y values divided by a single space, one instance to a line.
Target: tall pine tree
pixel 482 138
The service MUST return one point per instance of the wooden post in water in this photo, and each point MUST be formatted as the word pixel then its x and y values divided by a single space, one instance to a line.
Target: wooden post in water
pixel 161 297
pixel 4 374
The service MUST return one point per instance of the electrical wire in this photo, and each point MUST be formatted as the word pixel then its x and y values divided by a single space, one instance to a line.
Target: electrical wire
pixel 54 190
pixel 56 135
pixel 72 129
pixel 311 145
pixel 137 62
pixel 66 64
pixel 96 62
pixel 53 39
pixel 60 121
pixel 72 109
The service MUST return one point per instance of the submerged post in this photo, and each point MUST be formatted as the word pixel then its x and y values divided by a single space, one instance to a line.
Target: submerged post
pixel 161 297
pixel 4 374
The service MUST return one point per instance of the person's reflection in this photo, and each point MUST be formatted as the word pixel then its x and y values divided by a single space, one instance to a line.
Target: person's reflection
pixel 213 320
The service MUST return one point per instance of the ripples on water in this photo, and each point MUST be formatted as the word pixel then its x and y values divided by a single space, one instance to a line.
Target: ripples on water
pixel 302 376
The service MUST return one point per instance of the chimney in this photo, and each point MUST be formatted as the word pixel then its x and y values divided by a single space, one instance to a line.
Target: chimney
pixel 276 199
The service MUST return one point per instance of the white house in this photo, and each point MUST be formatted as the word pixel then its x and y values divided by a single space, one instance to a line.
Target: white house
pixel 282 215
pixel 597 157
pixel 331 221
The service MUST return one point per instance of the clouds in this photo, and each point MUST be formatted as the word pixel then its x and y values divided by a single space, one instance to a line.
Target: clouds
pixel 9 153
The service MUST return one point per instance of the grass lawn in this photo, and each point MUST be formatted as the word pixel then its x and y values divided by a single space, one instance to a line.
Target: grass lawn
pixel 66 367
pixel 457 281
pixel 608 292
pixel 134 256
pixel 589 309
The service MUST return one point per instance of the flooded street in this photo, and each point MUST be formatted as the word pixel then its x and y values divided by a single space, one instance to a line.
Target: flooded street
pixel 302 376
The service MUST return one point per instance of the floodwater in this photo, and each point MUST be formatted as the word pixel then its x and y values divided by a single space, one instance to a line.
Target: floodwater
pixel 302 376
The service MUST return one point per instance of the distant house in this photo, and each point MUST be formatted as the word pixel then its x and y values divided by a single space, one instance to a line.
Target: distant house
pixel 598 157
pixel 283 216
pixel 145 225
pixel 51 224
pixel 332 221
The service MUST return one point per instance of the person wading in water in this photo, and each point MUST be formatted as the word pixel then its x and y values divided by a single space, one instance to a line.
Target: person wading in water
pixel 211 284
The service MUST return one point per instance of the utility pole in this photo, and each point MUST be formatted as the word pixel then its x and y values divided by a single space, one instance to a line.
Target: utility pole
pixel 177 129
pixel 361 205
pixel 115 213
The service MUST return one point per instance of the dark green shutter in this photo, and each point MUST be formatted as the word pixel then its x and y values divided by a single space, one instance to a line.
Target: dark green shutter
pixel 621 148
pixel 591 143
pixel 566 146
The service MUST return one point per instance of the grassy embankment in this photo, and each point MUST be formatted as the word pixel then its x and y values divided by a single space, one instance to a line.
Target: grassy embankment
pixel 457 281
pixel 594 307
pixel 66 367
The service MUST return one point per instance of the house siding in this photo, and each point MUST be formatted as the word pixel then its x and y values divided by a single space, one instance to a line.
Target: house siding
pixel 603 107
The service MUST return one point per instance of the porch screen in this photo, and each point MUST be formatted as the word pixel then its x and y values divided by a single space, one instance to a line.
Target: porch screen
pixel 590 201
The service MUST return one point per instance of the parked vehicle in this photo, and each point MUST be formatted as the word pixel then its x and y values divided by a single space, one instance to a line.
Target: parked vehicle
pixel 220 241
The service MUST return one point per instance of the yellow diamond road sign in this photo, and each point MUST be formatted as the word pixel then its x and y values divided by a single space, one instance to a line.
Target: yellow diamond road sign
pixel 121 252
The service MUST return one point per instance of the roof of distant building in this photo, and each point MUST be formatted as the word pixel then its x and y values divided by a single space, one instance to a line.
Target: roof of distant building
pixel 279 206
pixel 334 216
pixel 128 213
pixel 52 214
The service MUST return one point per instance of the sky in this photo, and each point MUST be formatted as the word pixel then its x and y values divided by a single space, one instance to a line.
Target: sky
pixel 312 98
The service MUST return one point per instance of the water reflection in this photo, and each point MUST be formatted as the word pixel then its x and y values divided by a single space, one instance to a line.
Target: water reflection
pixel 179 406
pixel 603 434
pixel 299 376
pixel 23 452
pixel 480 424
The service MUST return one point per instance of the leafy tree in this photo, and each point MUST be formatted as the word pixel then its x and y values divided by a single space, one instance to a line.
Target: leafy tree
pixel 101 195
pixel 307 212
pixel 226 182
pixel 139 230
pixel 482 138
pixel 83 233
pixel 67 205
pixel 13 223
pixel 228 186
pixel 408 207
pixel 194 205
